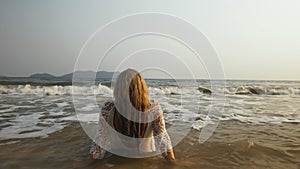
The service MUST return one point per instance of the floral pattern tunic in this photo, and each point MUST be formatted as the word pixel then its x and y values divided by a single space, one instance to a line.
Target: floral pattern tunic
pixel 161 140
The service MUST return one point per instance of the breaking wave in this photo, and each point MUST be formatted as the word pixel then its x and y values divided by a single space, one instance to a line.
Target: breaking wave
pixel 167 90
pixel 54 90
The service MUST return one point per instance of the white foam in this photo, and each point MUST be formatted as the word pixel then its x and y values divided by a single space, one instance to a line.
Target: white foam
pixel 159 90
pixel 55 90
pixel 63 104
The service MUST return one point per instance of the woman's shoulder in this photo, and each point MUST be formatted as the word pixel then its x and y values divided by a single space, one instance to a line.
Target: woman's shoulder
pixel 155 107
pixel 106 108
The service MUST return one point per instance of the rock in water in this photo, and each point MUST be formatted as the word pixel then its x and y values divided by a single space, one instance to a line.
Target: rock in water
pixel 256 90
pixel 204 90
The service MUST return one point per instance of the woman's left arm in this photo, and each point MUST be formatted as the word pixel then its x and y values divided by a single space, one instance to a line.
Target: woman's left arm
pixel 100 141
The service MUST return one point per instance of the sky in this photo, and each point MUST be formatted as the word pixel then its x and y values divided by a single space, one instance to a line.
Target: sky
pixel 255 39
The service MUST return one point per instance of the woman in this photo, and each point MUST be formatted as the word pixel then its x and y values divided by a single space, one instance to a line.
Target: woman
pixel 132 115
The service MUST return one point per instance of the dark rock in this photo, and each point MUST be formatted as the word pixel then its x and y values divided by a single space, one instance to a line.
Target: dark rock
pixel 255 90
pixel 205 90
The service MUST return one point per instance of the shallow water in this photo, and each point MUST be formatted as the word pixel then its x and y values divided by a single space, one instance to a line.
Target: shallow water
pixel 233 145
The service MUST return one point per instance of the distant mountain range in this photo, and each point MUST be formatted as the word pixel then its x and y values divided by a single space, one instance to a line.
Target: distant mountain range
pixel 82 75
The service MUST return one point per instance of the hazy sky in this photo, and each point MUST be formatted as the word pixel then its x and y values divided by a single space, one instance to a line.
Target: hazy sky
pixel 255 39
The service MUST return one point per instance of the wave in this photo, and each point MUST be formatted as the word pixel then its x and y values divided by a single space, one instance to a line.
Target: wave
pixel 241 90
pixel 54 90
pixel 249 90
pixel 79 90
pixel 159 90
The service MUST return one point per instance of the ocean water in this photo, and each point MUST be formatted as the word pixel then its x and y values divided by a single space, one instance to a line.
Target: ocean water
pixel 259 127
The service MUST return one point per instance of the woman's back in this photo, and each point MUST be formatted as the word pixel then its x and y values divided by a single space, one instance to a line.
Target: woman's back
pixel 132 125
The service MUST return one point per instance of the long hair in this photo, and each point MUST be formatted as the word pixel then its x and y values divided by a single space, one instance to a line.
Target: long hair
pixel 131 99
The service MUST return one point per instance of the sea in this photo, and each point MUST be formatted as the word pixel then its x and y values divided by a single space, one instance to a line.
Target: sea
pixel 257 126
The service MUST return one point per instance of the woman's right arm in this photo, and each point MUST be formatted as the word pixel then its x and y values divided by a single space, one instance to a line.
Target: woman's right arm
pixel 162 139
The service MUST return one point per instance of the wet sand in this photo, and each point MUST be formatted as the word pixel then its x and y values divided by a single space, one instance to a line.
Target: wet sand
pixel 233 145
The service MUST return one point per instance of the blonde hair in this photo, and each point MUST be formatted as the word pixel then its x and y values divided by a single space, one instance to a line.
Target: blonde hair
pixel 132 102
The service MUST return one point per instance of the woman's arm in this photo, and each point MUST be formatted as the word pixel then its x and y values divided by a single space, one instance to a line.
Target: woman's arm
pixel 100 141
pixel 162 139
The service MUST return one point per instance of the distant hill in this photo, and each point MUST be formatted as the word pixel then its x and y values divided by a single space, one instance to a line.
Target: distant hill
pixel 82 75
pixel 87 75
pixel 42 76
